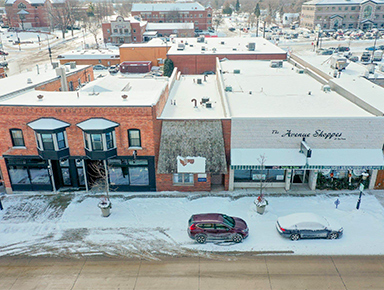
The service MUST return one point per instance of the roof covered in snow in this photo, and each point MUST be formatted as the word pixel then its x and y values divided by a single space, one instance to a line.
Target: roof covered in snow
pixel 91 54
pixel 97 124
pixel 340 2
pixel 149 7
pixel 47 124
pixel 169 26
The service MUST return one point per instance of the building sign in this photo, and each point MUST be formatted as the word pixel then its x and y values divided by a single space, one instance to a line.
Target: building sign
pixel 316 134
pixel 190 164
pixel 202 177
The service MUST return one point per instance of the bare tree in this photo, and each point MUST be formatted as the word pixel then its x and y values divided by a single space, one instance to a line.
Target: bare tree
pixel 60 16
pixel 124 9
pixel 93 27
pixel 173 16
pixel 218 20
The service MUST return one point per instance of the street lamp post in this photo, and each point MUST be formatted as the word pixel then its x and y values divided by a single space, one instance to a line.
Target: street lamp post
pixel 374 46
pixel 361 188
pixel 49 50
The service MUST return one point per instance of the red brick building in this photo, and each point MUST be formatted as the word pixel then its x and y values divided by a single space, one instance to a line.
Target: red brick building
pixel 188 12
pixel 123 30
pixel 28 13
pixel 198 55
pixel 56 140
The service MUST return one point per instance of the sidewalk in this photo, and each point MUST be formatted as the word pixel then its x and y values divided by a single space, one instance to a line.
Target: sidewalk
pixel 153 224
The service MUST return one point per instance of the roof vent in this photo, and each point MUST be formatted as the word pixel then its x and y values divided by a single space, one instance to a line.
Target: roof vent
pixel 204 100
pixel 326 88
pixel 228 89
pixel 208 105
pixel 300 71
pixel 236 71
pixel 124 97
pixel 191 45
pixel 180 46
pixel 203 48
pixel 40 97
pixel 200 39
pixel 214 49
pixel 251 46
pixel 199 81
pixel 223 42
pixel 234 48
pixel 29 81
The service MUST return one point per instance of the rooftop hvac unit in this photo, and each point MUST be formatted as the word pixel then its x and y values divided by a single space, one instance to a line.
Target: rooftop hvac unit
pixel 223 42
pixel 214 49
pixel 72 64
pixel 204 100
pixel 200 39
pixel 191 45
pixel 199 81
pixel 208 105
pixel 180 46
pixel 251 46
pixel 228 89
pixel 276 63
pixel 300 71
pixel 236 71
pixel 234 48
pixel 203 48
pixel 326 89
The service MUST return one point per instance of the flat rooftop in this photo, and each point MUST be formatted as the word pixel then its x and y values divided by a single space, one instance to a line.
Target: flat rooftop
pixel 155 42
pixel 106 91
pixel 261 91
pixel 90 54
pixel 351 79
pixel 37 76
pixel 224 45
pixel 180 104
pixel 161 26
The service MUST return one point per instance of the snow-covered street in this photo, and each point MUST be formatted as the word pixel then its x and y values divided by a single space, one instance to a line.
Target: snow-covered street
pixel 71 225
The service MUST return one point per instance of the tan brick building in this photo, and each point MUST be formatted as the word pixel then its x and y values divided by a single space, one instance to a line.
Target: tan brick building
pixel 343 14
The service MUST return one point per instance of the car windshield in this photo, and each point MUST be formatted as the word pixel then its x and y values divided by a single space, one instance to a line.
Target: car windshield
pixel 229 221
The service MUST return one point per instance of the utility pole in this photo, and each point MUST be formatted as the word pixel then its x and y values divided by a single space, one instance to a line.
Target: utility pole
pixel 49 50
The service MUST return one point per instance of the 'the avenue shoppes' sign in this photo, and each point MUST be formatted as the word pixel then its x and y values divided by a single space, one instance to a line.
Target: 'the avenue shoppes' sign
pixel 316 134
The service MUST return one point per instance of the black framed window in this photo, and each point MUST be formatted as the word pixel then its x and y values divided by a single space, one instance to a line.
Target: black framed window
pixel 134 138
pixel 47 141
pixel 109 140
pixel 17 137
pixel 61 140
pixel 97 142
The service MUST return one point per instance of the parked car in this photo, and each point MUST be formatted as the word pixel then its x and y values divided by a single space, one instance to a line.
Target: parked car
pixel 113 69
pixel 99 67
pixel 217 227
pixel 343 48
pixel 209 72
pixel 326 52
pixel 231 29
pixel 366 56
pixel 354 58
pixel 4 63
pixel 2 52
pixel 307 226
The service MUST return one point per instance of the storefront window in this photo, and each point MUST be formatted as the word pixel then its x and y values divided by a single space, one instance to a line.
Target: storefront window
pixel 39 175
pixel 118 175
pixel 19 175
pixel 139 175
pixel 66 176
pixel 80 174
pixel 268 175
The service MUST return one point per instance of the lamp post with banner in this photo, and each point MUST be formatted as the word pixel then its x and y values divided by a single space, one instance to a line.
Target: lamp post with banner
pixel 361 189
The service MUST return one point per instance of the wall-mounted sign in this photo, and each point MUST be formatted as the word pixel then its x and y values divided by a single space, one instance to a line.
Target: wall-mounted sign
pixel 202 177
pixel 316 134
pixel 190 164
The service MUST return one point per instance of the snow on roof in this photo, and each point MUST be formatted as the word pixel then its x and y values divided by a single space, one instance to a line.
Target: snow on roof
pixel 96 124
pixel 155 42
pixel 37 76
pixel 141 7
pixel 261 91
pixel 351 79
pixel 91 54
pixel 187 89
pixel 290 221
pixel 47 124
pixel 170 26
pixel 339 2
pixel 223 45
pixel 106 91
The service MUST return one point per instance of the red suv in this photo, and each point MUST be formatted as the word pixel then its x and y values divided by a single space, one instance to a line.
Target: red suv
pixel 217 226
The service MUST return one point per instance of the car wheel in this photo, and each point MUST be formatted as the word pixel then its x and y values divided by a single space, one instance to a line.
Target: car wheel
pixel 237 238
pixel 201 239
pixel 295 237
pixel 333 236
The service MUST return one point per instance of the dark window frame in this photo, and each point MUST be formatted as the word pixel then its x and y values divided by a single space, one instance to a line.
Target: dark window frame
pixel 131 143
pixel 14 143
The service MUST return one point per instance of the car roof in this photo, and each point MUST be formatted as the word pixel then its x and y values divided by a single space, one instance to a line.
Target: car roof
pixel 208 217
pixel 291 220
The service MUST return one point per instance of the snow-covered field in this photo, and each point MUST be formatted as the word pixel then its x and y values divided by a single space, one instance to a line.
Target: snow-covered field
pixel 72 225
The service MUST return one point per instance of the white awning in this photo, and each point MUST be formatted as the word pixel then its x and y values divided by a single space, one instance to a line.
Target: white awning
pixel 368 158
pixel 245 158
pixel 97 124
pixel 49 124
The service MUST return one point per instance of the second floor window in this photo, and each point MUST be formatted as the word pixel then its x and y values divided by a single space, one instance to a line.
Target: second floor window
pixel 109 140
pixel 60 140
pixel 97 142
pixel 134 139
pixel 17 137
pixel 47 141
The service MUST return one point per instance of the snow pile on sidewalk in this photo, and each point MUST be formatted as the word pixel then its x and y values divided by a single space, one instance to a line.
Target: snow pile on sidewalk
pixel 146 227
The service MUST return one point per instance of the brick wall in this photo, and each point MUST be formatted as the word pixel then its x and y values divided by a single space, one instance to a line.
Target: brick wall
pixel 197 64
pixel 164 182
pixel 56 84
pixel 106 35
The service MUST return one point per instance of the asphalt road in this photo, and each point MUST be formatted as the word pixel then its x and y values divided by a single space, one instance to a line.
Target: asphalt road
pixel 220 272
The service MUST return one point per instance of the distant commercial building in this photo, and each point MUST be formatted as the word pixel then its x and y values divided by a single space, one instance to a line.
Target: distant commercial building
pixel 344 14
pixel 123 30
pixel 105 57
pixel 187 12
pixel 168 29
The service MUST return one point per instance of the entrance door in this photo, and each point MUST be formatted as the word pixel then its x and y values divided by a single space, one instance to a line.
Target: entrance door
pixel 300 176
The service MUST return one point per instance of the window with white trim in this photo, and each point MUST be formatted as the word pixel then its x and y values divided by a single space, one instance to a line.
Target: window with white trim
pixel 183 179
